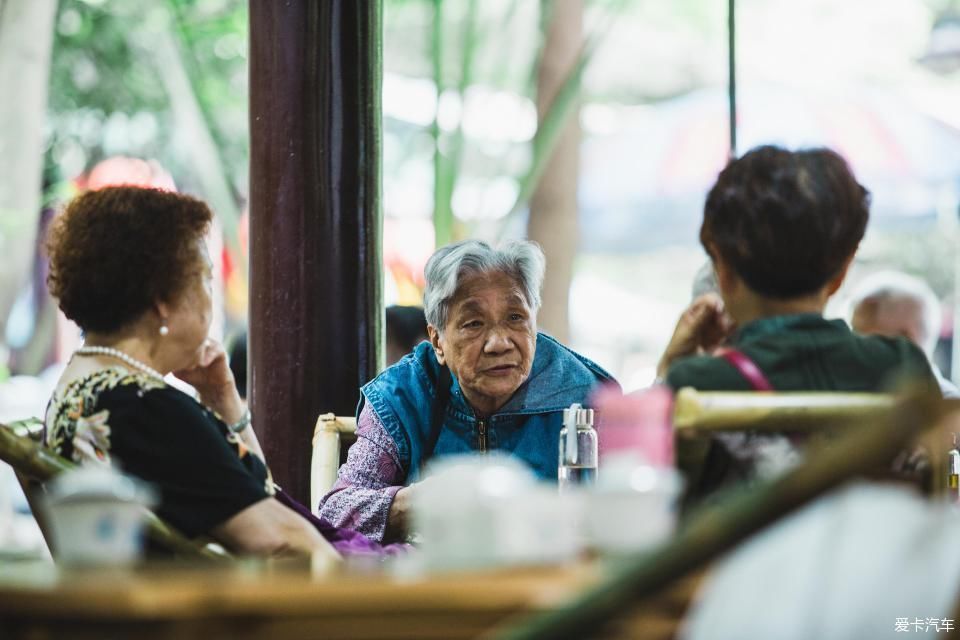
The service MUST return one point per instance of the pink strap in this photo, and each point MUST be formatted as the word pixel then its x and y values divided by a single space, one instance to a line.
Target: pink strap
pixel 748 369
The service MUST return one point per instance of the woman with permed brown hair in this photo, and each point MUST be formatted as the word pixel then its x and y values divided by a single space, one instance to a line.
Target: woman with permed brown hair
pixel 130 267
pixel 781 229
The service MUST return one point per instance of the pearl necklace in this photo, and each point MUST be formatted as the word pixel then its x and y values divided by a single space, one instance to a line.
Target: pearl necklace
pixel 119 355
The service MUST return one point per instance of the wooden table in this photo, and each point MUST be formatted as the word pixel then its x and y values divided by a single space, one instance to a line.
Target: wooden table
pixel 40 601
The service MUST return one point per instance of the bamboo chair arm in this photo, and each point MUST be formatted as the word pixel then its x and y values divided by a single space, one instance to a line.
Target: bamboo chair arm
pixel 29 427
pixel 162 534
pixel 329 434
pixel 781 411
pixel 28 457
pixel 330 423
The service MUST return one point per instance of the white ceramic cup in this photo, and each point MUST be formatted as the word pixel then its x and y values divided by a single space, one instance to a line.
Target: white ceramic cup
pixel 96 517
pixel 633 507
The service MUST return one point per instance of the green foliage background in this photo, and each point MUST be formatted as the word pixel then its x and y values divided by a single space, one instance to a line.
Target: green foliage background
pixel 106 93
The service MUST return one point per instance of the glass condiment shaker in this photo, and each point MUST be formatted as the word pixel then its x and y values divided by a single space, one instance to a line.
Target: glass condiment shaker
pixel 578 448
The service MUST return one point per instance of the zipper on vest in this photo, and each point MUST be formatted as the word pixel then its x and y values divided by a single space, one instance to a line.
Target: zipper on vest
pixel 482 436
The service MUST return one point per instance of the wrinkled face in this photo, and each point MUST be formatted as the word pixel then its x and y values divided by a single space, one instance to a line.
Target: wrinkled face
pixel 489 341
pixel 892 318
pixel 190 316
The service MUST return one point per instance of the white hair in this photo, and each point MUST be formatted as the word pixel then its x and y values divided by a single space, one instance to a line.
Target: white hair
pixel 895 286
pixel 521 260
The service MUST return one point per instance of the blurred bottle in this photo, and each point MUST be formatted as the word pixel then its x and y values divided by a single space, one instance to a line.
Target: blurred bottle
pixel 953 473
pixel 578 448
pixel 634 503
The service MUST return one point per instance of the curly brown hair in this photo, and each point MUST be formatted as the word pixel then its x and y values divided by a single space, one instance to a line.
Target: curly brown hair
pixel 116 251
pixel 786 221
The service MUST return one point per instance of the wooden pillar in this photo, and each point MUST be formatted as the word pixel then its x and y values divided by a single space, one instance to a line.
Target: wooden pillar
pixel 315 258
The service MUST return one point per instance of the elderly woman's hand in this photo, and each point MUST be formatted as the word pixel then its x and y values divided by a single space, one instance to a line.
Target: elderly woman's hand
pixel 399 519
pixel 213 380
pixel 702 328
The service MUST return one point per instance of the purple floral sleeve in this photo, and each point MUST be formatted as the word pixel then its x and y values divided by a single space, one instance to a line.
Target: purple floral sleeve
pixel 366 484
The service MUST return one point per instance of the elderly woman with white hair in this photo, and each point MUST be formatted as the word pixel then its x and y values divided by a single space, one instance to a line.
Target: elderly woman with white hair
pixel 486 380
pixel 894 304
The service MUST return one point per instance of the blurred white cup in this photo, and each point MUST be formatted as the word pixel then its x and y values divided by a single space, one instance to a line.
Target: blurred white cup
pixel 96 516
pixel 633 505
pixel 487 511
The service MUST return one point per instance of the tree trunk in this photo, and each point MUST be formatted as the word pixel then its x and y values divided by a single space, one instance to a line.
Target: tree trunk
pixel 26 43
pixel 553 207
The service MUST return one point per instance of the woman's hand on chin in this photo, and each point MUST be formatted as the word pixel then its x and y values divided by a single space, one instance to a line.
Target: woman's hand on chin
pixel 702 328
pixel 213 380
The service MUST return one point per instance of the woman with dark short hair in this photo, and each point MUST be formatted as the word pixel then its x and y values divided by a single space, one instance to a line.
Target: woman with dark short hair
pixel 130 267
pixel 781 228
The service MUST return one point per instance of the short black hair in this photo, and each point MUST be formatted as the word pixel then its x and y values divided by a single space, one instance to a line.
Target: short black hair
pixel 785 221
pixel 237 355
pixel 406 326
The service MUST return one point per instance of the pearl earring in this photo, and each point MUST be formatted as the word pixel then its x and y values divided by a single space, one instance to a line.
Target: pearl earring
pixel 164 330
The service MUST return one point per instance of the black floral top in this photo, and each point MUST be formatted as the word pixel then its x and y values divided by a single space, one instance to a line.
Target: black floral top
pixel 155 432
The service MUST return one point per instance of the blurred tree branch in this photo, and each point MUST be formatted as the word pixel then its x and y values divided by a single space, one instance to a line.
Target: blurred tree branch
pixel 553 120
pixel 192 112
pixel 447 161
pixel 163 70
pixel 194 70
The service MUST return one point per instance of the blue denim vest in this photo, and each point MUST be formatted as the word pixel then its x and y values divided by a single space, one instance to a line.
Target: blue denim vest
pixel 528 426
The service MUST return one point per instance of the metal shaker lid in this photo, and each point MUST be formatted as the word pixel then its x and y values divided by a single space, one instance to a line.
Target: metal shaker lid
pixel 578 416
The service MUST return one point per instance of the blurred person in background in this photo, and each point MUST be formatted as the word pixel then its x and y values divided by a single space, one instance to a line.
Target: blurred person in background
pixel 781 228
pixel 237 355
pixel 891 303
pixel 31 332
pixel 406 328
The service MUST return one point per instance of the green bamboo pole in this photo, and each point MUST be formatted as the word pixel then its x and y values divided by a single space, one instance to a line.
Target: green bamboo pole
pixel 732 74
pixel 469 38
pixel 442 211
pixel 718 528
pixel 447 163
